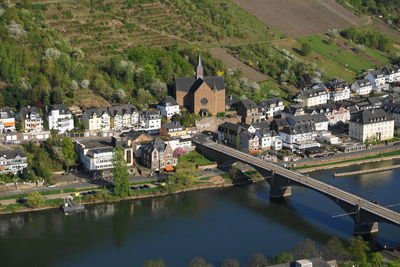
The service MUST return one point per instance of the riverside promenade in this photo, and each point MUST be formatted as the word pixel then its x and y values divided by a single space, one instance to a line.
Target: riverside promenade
pixel 382 169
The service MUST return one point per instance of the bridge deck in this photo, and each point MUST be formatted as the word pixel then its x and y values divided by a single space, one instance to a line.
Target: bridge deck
pixel 307 181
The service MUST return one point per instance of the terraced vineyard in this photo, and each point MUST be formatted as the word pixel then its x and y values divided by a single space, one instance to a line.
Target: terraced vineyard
pixel 103 27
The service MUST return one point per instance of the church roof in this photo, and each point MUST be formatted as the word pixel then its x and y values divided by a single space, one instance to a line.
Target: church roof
pixel 190 84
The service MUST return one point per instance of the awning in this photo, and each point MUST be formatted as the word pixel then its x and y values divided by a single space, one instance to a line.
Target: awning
pixel 8 124
pixel 169 168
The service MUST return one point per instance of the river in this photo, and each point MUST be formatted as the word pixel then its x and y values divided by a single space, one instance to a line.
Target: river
pixel 216 224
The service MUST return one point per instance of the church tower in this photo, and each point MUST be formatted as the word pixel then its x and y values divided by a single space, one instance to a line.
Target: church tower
pixel 199 69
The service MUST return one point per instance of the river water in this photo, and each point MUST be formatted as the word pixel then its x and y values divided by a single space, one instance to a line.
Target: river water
pixel 215 224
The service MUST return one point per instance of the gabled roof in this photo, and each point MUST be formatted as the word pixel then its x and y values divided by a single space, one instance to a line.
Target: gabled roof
pixel 168 101
pixel 233 127
pixel 132 134
pixel 95 110
pixel 190 84
pixel 12 154
pixel 363 82
pixel 156 144
pixel 29 110
pixel 298 129
pixel 122 110
pixel 268 102
pixel 372 116
pixel 172 125
pixel 149 114
pixel 248 104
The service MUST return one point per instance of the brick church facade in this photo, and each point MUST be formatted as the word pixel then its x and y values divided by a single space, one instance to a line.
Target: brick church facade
pixel 201 95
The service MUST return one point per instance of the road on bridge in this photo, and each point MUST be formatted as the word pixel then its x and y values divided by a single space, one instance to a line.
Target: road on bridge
pixel 307 181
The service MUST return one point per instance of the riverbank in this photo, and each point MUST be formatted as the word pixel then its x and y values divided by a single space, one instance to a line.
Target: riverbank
pixel 348 161
pixel 20 208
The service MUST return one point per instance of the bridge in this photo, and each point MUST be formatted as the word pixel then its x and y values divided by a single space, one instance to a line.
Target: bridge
pixel 365 213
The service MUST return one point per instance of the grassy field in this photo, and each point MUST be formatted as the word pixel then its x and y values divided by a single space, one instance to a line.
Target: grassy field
pixel 195 157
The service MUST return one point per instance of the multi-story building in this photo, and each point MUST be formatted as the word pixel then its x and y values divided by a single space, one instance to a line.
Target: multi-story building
pixel 271 108
pixel 7 121
pixel 123 117
pixel 60 118
pixel 300 136
pixel 335 112
pixel 392 74
pixel 377 79
pixel 339 90
pixel 372 125
pixel 31 120
pixel 168 107
pixel 96 119
pixel 12 161
pixel 149 121
pixel 362 87
pixel 97 155
pixel 313 97
pixel 249 111
pixel 158 155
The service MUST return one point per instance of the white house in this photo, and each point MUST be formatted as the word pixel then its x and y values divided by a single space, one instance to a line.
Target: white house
pixel 269 140
pixel 7 121
pixel 149 121
pixel 31 119
pixel 299 136
pixel 377 79
pixel 319 121
pixel 313 97
pixel 339 90
pixel 392 74
pixel 12 161
pixel 168 107
pixel 96 119
pixel 373 124
pixel 123 116
pixel 334 112
pixel 271 107
pixel 60 118
pixel 362 87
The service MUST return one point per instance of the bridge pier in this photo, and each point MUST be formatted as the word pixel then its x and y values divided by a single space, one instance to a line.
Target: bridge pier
pixel 279 186
pixel 363 225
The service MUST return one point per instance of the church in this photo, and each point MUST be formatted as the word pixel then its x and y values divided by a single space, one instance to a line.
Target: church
pixel 201 95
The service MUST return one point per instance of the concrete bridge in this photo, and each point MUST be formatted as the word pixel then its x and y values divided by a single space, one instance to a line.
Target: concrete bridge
pixel 365 214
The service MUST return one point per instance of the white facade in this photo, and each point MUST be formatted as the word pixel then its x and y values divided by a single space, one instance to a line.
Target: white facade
pixel 271 108
pixel 392 74
pixel 168 110
pixel 149 121
pixel 340 94
pixel 377 79
pixel 372 125
pixel 31 119
pixel 362 87
pixel 60 119
pixel 12 161
pixel 314 97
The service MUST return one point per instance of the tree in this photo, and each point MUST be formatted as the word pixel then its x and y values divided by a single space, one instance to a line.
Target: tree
pixel 257 260
pixel 282 258
pixel 184 175
pixel 68 149
pixel 305 250
pixel 230 263
pixel 306 49
pixel 334 250
pixel 120 173
pixel 35 200
pixel 199 262
pixel 376 259
pixel 155 263
pixel 358 249
pixel 179 151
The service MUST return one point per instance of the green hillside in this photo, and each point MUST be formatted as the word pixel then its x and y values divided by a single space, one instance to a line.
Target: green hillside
pixel 101 27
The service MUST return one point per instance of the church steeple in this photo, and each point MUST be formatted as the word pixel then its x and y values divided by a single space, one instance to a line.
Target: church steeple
pixel 199 69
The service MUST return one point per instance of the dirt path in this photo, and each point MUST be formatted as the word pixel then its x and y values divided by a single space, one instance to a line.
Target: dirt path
pixel 232 62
